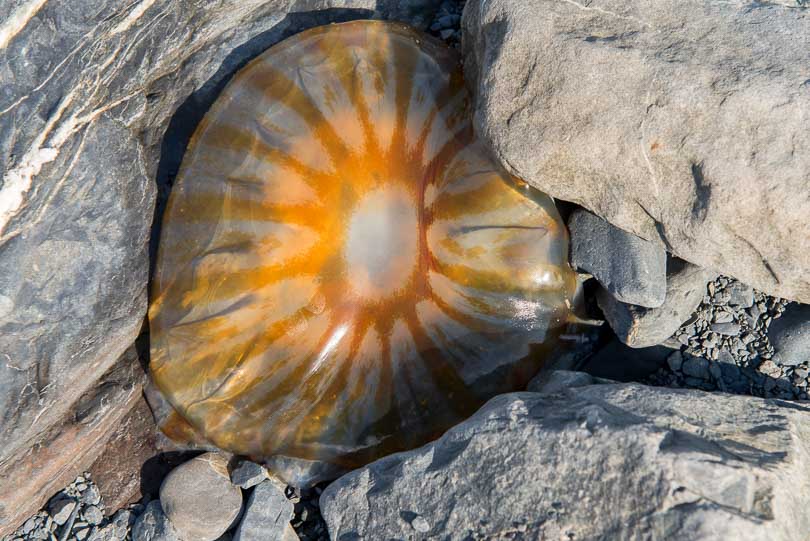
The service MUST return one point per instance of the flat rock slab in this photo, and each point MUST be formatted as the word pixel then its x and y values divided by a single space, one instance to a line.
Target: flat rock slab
pixel 608 461
pixel 267 514
pixel 682 122
pixel 632 269
pixel 641 327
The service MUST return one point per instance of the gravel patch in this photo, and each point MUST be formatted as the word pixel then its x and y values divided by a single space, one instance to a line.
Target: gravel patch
pixel 725 346
pixel 447 23
pixel 77 514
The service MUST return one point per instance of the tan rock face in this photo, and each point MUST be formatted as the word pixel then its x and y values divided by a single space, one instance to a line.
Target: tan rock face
pixel 26 482
pixel 682 122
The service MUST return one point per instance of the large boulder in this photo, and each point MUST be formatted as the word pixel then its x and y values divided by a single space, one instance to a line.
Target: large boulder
pixel 607 461
pixel 97 101
pixel 682 122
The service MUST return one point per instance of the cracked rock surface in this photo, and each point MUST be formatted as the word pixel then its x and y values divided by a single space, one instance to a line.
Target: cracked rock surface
pixel 684 123
pixel 607 461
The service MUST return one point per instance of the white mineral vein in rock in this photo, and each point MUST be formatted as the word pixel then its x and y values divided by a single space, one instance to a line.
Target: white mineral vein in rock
pixel 17 180
pixel 17 21
pixel 133 16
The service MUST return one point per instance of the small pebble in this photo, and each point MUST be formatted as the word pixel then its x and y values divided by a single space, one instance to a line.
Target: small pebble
pixel 93 515
pixel 60 510
pixel 420 524
pixel 91 496
pixel 726 329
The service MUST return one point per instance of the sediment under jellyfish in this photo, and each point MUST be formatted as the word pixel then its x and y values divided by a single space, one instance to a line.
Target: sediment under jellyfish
pixel 343 270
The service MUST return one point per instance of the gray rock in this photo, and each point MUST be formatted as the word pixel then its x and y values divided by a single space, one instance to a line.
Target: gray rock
pixel 153 525
pixel 697 367
pixel 637 326
pixel 642 112
pixel 790 335
pixel 632 269
pixel 122 521
pixel 675 361
pixel 28 481
pixel 267 514
pixel 247 474
pixel 726 329
pixel 61 509
pixel 97 101
pixel 199 498
pixel 555 381
pixel 91 495
pixel 616 461
pixel 93 515
pixel 742 295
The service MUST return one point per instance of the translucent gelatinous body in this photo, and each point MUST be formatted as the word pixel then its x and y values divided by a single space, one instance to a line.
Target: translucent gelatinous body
pixel 343 270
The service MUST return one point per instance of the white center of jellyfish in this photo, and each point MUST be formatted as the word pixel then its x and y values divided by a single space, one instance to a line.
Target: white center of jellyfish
pixel 382 243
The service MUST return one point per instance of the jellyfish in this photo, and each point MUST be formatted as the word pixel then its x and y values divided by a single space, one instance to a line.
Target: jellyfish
pixel 344 271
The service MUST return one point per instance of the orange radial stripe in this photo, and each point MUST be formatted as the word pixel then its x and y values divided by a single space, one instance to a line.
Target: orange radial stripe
pixel 343 272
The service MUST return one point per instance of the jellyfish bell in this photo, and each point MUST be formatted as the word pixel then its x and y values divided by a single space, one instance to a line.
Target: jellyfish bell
pixel 343 270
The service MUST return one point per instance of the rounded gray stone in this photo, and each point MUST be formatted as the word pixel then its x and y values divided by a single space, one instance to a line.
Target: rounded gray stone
pixel 790 335
pixel 199 499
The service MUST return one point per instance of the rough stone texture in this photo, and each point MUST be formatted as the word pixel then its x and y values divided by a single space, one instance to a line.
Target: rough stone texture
pixel 743 361
pixel 554 381
pixel 267 514
pixel 199 498
pixel 247 474
pixel 153 525
pixel 632 269
pixel 89 89
pixel 790 335
pixel 610 461
pixel 28 480
pixel 640 327
pixel 682 122
pixel 119 469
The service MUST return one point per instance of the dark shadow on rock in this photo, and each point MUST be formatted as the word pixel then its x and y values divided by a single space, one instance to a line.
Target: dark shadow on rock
pixel 158 467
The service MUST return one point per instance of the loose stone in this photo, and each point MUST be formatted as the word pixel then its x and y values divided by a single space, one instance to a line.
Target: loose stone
pixel 61 509
pixel 726 329
pixel 248 474
pixel 199 498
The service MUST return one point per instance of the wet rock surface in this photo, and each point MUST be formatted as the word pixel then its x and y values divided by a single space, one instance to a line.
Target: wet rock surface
pixel 640 112
pixel 608 461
